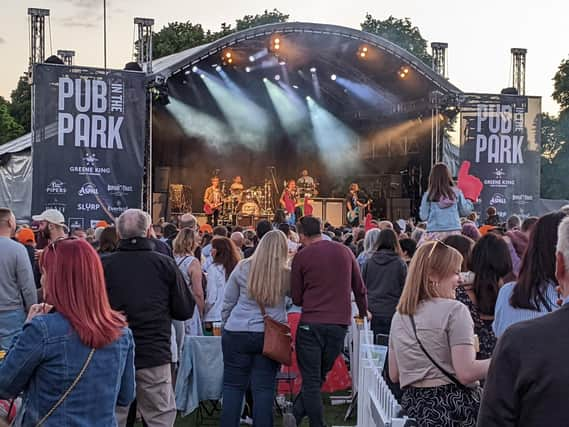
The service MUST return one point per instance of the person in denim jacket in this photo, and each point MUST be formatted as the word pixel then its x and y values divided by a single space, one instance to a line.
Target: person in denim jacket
pixel 442 205
pixel 59 337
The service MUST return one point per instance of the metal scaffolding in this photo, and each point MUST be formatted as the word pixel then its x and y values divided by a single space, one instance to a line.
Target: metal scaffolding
pixel 66 56
pixel 143 43
pixel 37 37
pixel 519 69
pixel 439 51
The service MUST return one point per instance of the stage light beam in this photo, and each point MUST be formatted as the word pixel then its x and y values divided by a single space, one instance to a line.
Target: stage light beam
pixel 333 77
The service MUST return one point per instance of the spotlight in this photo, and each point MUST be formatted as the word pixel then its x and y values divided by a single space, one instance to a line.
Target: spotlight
pixel 403 72
pixel 187 72
pixel 282 63
pixel 228 55
pixel 362 51
pixel 333 77
pixel 195 68
pixel 230 61
pixel 265 79
pixel 277 77
pixel 276 44
pixel 251 58
pixel 277 41
pixel 295 86
pixel 202 76
pixel 313 70
pixel 218 68
pixel 247 69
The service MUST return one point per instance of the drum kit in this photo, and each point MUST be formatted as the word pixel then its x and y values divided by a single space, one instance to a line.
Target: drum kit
pixel 254 201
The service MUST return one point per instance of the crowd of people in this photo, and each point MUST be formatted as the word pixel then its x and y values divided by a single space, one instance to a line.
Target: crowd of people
pixel 472 313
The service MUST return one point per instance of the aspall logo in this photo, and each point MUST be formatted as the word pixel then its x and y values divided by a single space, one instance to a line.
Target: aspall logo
pixel 498 199
pixel 90 159
pixel 88 189
pixel 56 187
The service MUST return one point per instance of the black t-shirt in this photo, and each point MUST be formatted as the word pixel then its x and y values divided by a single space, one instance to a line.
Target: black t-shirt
pixel 360 196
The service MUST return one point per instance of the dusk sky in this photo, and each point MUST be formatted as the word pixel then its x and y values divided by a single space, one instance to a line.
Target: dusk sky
pixel 480 33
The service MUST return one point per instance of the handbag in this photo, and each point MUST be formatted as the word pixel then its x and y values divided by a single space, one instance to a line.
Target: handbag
pixel 278 340
pixel 69 389
pixel 439 367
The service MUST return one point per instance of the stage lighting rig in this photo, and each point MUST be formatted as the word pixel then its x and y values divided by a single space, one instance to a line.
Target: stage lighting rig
pixel 403 72
pixel 275 44
pixel 333 77
pixel 227 58
pixel 362 52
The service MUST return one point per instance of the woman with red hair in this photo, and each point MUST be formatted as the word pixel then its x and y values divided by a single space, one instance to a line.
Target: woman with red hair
pixel 74 359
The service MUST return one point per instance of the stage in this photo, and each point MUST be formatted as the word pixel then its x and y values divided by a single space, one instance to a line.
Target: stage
pixel 269 102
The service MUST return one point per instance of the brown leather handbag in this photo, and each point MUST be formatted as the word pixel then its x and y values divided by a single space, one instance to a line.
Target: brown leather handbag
pixel 278 340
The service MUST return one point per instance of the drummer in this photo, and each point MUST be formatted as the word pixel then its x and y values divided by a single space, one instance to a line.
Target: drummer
pixel 306 184
pixel 236 188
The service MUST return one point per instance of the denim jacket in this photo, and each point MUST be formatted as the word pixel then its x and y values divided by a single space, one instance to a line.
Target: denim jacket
pixel 444 218
pixel 47 357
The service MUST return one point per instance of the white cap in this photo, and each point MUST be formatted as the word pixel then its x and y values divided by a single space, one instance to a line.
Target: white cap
pixel 52 216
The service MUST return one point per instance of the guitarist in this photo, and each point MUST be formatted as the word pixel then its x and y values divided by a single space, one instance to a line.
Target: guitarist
pixel 356 203
pixel 213 200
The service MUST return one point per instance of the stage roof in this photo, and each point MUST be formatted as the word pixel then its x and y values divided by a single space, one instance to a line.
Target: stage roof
pixel 331 50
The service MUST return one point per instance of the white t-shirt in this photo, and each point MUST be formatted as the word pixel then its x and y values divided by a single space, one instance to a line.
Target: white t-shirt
pixel 214 293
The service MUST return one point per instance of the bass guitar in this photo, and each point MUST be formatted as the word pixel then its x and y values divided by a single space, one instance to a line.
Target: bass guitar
pixel 209 208
pixel 354 214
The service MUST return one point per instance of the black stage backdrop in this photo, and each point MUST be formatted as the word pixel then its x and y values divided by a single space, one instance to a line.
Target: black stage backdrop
pixel 500 136
pixel 88 142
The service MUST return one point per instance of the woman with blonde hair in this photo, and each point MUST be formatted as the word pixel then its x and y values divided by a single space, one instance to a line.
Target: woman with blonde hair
pixel 432 346
pixel 184 246
pixel 442 205
pixel 260 281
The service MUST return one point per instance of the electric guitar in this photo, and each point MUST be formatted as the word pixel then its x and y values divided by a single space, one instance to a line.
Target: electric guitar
pixel 352 215
pixel 209 208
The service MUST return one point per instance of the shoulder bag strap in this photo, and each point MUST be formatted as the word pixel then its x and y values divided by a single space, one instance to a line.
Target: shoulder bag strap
pixel 262 307
pixel 183 259
pixel 69 389
pixel 439 367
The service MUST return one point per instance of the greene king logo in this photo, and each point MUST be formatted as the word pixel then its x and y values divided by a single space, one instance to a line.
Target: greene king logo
pixel 56 187
pixel 88 189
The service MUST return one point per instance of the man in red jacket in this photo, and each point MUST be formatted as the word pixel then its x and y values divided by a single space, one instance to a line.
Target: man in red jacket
pixel 324 274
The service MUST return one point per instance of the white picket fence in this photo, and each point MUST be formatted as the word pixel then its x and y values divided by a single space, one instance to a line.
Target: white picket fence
pixel 377 407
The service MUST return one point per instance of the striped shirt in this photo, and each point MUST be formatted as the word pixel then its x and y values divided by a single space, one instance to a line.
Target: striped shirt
pixel 505 315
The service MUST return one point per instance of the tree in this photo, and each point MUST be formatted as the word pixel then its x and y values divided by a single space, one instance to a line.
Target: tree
pixel 9 127
pixel 551 137
pixel 178 36
pixel 400 32
pixel 272 17
pixel 21 106
pixel 561 85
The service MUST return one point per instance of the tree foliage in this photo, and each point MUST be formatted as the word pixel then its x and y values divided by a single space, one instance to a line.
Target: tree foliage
pixel 21 104
pixel 9 127
pixel 178 36
pixel 400 32
pixel 561 85
pixel 551 137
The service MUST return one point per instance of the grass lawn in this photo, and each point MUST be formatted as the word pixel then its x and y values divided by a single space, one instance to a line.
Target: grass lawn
pixel 334 416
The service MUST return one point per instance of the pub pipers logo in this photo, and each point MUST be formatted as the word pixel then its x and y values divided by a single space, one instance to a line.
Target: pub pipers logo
pixel 90 113
pixel 56 187
pixel 88 189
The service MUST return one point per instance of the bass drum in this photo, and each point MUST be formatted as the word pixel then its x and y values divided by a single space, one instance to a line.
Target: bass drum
pixel 250 208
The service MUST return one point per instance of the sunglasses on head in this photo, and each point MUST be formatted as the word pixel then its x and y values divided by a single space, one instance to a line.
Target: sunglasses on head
pixel 435 245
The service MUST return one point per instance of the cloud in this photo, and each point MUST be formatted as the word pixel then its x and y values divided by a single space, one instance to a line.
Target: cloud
pixel 81 21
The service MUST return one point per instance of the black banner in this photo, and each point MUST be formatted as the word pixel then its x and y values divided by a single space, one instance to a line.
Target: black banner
pixel 500 136
pixel 88 142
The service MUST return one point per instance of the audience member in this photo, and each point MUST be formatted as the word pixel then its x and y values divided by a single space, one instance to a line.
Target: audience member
pixel 442 205
pixel 513 223
pixel 108 241
pixel 257 285
pixel 432 345
pixel 27 238
pixel 534 293
pixel 147 287
pixel 492 217
pixel 384 276
pixel 528 376
pixel 225 257
pixel 528 224
pixel 74 347
pixel 51 225
pixel 79 233
pixel 262 228
pixel 490 263
pixel 17 285
pixel 324 295
pixel 238 240
pixel 408 248
pixel 470 230
pixel 371 242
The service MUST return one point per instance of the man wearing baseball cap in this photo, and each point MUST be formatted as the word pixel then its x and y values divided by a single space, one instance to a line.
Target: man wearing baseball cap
pixel 51 225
